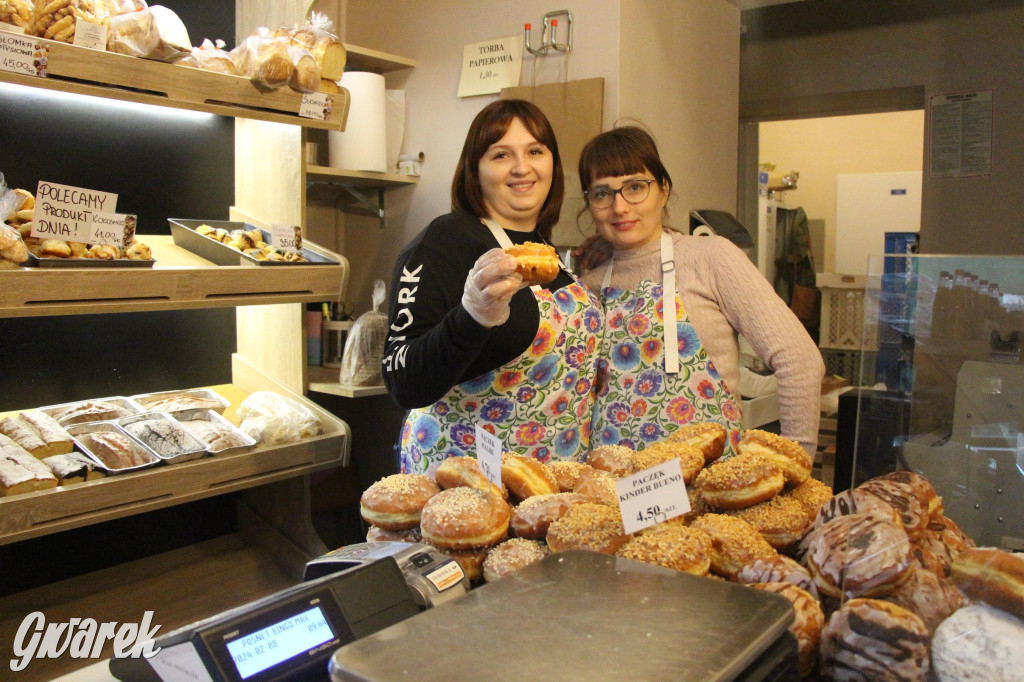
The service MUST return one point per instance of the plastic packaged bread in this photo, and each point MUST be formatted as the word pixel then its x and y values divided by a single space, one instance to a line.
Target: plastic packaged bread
pixel 264 60
pixel 153 33
pixel 306 74
pixel 209 56
pixel 57 19
pixel 326 48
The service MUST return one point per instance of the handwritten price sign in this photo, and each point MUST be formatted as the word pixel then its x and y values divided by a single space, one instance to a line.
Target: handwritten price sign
pixel 652 496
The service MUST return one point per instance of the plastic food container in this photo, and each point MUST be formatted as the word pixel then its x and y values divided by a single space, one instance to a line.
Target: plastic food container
pixel 173 402
pixel 164 435
pixel 218 421
pixel 82 434
pixel 126 404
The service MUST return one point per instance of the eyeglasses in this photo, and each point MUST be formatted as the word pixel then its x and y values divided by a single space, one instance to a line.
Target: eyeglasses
pixel 633 192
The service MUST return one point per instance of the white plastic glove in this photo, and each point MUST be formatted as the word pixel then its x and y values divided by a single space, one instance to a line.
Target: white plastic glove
pixel 490 286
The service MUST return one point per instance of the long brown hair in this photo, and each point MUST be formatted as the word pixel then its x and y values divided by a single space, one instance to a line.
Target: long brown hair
pixel 489 126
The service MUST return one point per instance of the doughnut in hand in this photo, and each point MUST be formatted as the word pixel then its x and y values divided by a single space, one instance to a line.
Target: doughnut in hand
pixel 537 263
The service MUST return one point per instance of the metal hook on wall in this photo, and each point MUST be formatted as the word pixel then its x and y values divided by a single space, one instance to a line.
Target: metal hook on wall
pixel 548 37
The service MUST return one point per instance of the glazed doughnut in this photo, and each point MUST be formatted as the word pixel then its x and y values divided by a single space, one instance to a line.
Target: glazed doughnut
pixel 597 527
pixel 778 569
pixel 672 546
pixel 511 555
pixel 691 461
pixel 615 459
pixel 978 642
pixel 921 487
pixel 787 454
pixel 812 494
pixel 740 482
pixel 945 540
pixel 598 486
pixel 856 501
pixel 872 639
pixel 534 514
pixel 806 626
pixel 537 263
pixel 375 534
pixel 923 593
pixel 465 518
pixel 466 471
pixel 782 521
pixel 566 473
pixel 901 497
pixel 926 559
pixel 471 560
pixel 992 576
pixel 734 543
pixel 525 477
pixel 708 437
pixel 394 502
pixel 858 556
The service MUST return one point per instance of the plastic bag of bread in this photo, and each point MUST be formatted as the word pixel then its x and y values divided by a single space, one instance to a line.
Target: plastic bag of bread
pixel 306 74
pixel 115 7
pixel 364 348
pixel 273 418
pixel 209 56
pixel 264 60
pixel 16 13
pixel 327 49
pixel 152 33
pixel 57 19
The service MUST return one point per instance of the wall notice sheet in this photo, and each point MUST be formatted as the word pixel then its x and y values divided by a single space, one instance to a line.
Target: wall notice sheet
pixel 960 134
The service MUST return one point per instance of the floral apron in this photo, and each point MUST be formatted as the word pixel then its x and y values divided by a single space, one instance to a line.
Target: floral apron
pixel 538 404
pixel 641 402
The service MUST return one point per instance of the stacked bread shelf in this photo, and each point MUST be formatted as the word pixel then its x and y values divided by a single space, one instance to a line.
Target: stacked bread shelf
pixel 275 536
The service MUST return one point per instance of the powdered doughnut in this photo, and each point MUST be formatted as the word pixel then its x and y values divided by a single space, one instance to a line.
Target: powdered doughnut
pixel 787 454
pixel 691 461
pixel 512 555
pixel 979 642
pixel 858 556
pixel 597 527
pixel 871 639
pixel 566 473
pixel 808 624
pixel 525 477
pixel 615 459
pixel 740 482
pixel 394 502
pixel 465 518
pixel 466 471
pixel 673 546
pixel 531 518
pixel 992 576
pixel 537 263
pixel 708 437
pixel 734 543
pixel 782 521
pixel 812 494
pixel 597 486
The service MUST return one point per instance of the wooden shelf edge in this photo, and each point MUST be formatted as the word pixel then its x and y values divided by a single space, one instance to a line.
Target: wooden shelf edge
pixel 347 390
pixel 365 59
pixel 355 178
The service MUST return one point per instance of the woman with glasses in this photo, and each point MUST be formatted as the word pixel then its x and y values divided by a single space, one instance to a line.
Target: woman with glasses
pixel 469 346
pixel 667 290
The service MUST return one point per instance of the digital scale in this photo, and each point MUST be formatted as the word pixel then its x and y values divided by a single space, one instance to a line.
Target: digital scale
pixel 346 594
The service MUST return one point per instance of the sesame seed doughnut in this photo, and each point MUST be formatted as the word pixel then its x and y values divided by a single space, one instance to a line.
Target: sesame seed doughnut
pixel 537 263
pixel 691 461
pixel 782 521
pixel 597 527
pixel 512 555
pixel 812 493
pixel 740 482
pixel 806 626
pixel 778 569
pixel 698 506
pixel 597 486
pixel 856 501
pixel 734 543
pixel 672 546
pixel 466 471
pixel 708 437
pixel 566 473
pixel 525 477
pixel 615 459
pixel 375 534
pixel 992 576
pixel 395 502
pixel 464 518
pixel 531 518
pixel 901 497
pixel 787 454
pixel 872 639
pixel 858 556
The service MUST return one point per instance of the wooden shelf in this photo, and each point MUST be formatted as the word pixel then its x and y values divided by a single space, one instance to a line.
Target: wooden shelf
pixel 353 178
pixel 179 280
pixel 365 59
pixel 120 77
pixel 347 390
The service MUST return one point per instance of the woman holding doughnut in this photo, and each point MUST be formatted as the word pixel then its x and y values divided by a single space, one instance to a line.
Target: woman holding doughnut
pixel 711 290
pixel 469 343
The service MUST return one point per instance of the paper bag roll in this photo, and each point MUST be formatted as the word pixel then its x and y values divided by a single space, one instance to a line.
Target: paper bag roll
pixel 363 145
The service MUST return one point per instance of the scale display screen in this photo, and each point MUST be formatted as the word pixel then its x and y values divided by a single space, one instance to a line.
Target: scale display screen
pixel 278 642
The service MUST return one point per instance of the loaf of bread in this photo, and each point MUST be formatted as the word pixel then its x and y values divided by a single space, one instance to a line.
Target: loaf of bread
pixel 327 49
pixel 264 60
pixel 163 436
pixel 179 403
pixel 73 467
pixel 116 450
pixel 306 74
pixel 89 411
pixel 152 33
pixel 38 433
pixel 209 57
pixel 216 437
pixel 20 472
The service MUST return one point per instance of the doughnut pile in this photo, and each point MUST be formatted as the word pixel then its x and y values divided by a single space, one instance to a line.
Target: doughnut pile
pixel 883 584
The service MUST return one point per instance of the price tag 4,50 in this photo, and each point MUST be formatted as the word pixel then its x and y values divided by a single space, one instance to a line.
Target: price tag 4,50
pixel 652 495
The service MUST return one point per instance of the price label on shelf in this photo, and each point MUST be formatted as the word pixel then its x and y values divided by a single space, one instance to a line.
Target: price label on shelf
pixel 286 237
pixel 22 54
pixel 316 105
pixel 111 228
pixel 65 212
pixel 488 454
pixel 88 34
pixel 652 495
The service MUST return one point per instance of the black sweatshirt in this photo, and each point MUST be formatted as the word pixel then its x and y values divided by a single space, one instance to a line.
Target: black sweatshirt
pixel 433 343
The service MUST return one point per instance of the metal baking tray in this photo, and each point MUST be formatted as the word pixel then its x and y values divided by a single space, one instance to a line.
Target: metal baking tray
pixel 146 400
pixel 194 448
pixel 55 262
pixel 219 420
pixel 80 434
pixel 120 401
pixel 184 233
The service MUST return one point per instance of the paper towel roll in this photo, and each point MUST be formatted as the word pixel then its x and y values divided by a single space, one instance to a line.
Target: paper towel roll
pixel 363 146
